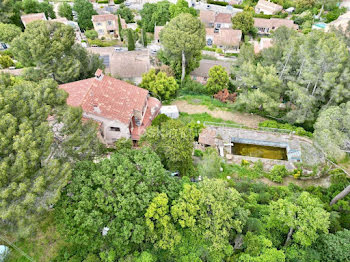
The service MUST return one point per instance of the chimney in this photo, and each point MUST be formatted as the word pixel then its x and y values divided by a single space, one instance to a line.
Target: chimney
pixel 99 74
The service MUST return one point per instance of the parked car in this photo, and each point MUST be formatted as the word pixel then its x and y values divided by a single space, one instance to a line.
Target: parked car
pixel 118 49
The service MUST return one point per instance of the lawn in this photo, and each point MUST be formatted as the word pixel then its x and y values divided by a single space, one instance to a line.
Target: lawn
pixel 206 100
pixel 203 117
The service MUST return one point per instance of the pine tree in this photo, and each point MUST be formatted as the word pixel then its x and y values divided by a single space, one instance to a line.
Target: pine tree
pixel 120 28
pixel 131 42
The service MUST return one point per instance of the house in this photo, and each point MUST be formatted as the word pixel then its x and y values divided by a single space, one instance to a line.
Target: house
pixel 72 24
pixel 107 25
pixel 341 23
pixel 201 73
pixel 263 44
pixel 207 17
pixel 265 26
pixel 26 19
pixel 225 38
pixel 122 110
pixel 157 30
pixel 267 8
pixel 223 20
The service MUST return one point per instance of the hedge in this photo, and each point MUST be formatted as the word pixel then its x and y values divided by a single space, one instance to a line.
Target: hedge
pixel 217 2
pixel 284 15
pixel 274 124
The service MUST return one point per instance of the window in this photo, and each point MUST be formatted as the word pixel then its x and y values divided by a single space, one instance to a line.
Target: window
pixel 209 42
pixel 116 129
pixel 100 31
pixel 109 22
pixel 98 24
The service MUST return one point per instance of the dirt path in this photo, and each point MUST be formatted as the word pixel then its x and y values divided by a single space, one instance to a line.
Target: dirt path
pixel 248 120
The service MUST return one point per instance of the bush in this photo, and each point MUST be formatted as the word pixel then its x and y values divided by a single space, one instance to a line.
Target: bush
pixel 193 88
pixel 213 2
pixel 5 61
pixel 101 43
pixel 207 48
pixel 274 124
pixel 219 51
pixel 277 173
pixel 91 34
pixel 161 118
pixel 123 143
pixel 6 52
pixel 198 153
pixel 18 65
pixel 117 2
pixel 102 1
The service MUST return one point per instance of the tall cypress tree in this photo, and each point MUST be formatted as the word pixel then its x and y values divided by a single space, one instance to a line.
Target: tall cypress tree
pixel 131 42
pixel 144 37
pixel 120 28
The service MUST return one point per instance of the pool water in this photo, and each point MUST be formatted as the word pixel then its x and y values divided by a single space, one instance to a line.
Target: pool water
pixel 269 152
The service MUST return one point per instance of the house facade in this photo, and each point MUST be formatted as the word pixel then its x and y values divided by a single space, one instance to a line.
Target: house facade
pixel 226 38
pixel 267 8
pixel 106 25
pixel 216 20
pixel 157 30
pixel 122 110
pixel 266 26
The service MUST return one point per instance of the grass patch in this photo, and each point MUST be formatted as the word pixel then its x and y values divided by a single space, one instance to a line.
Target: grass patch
pixel 209 57
pixel 103 43
pixel 186 118
pixel 208 101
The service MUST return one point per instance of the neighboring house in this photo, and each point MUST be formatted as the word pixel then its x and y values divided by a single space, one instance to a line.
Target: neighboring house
pixel 223 20
pixel 72 24
pixel 225 38
pixel 201 73
pixel 107 25
pixel 263 44
pixel 265 26
pixel 157 30
pixel 236 2
pixel 214 19
pixel 341 23
pixel 26 19
pixel 267 8
pixel 121 109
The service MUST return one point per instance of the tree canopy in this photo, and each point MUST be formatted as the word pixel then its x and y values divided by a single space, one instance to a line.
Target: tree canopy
pixel 85 11
pixel 65 10
pixel 218 79
pixel 244 21
pixel 8 32
pixel 156 14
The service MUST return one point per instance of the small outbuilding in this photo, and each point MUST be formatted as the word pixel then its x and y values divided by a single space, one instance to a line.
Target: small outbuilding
pixel 170 111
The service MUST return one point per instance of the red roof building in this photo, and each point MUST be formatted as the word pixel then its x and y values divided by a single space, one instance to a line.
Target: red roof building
pixel 124 110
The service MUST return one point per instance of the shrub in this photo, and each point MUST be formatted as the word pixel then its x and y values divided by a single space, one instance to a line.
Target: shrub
pixel 193 88
pixel 6 61
pixel 102 1
pixel 198 153
pixel 213 2
pixel 245 162
pixel 219 51
pixel 91 34
pixel 6 52
pixel 274 124
pixel 18 65
pixel 117 2
pixel 207 48
pixel 161 118
pixel 277 173
pixel 123 143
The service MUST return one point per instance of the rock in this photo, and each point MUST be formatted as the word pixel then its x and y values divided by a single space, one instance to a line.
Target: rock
pixel 229 157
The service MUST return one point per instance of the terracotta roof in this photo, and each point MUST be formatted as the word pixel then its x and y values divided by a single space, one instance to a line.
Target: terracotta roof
pixel 223 18
pixel 274 23
pixel 227 37
pixel 153 107
pixel 207 17
pixel 107 97
pixel 26 19
pixel 209 32
pixel 268 6
pixel 341 23
pixel 103 18
pixel 207 137
pixel 264 43
pixel 157 30
pixel 205 65
pixel 129 64
pixel 77 91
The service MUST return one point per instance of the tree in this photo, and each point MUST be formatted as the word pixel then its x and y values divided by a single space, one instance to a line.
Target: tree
pixel 335 247
pixel 299 220
pixel 218 79
pixel 155 14
pixel 244 21
pixel 131 40
pixel 33 6
pixel 35 162
pixel 144 37
pixel 305 3
pixel 183 39
pixel 10 12
pixel 55 53
pixel 173 142
pixel 65 10
pixel 120 29
pixel 5 61
pixel 8 32
pixel 159 84
pixel 47 9
pixel 181 7
pixel 114 193
pixel 125 13
pixel 91 34
pixel 85 11
pixel 332 130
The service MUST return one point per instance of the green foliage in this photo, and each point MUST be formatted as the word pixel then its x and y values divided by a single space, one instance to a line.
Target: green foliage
pixel 277 173
pixel 123 143
pixel 334 14
pixel 244 21
pixel 183 34
pixel 5 61
pixel 331 131
pixel 211 164
pixel 125 13
pixel 56 55
pixel 85 11
pixel 181 7
pixel 102 43
pixel 218 79
pixel 10 12
pixel 193 87
pixel 173 142
pixel 8 32
pixel 154 14
pixel 303 215
pixel 120 29
pixel 91 34
pixel 159 84
pixel 33 6
pixel 131 40
pixel 161 118
pixel 144 37
pixel 214 2
pixel 274 124
pixel 65 10
pixel 198 153
pixel 114 193
pixel 335 247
